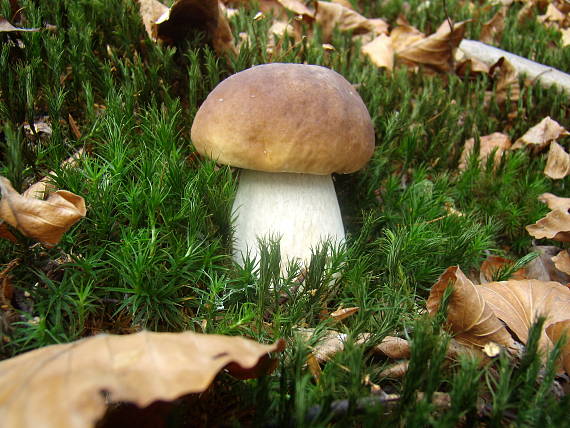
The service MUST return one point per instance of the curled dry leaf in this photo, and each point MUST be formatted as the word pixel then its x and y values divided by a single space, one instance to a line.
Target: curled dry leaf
pixel 496 142
pixel 556 224
pixel 331 15
pixel 393 347
pixel 562 261
pixel 557 163
pixel 543 267
pixel 297 7
pixel 541 134
pixel 185 16
pixel 468 67
pixel 519 304
pixel 343 313
pixel 506 82
pixel 492 30
pixel 380 51
pixel 45 221
pixel 469 317
pixel 493 264
pixel 60 385
pixel 555 332
pixel 435 50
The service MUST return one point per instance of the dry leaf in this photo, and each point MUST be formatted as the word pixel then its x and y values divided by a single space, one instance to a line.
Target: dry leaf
pixel 69 385
pixel 314 366
pixel 557 163
pixel 497 142
pixel 552 15
pixel 395 371
pixel 74 128
pixel 45 221
pixel 543 267
pixel 342 313
pixel 204 16
pixel 6 234
pixel 41 127
pixel 380 51
pixel 519 303
pixel 556 224
pixel 435 50
pixel 562 261
pixel 541 134
pixel 297 7
pixel 565 37
pixel 507 82
pixel 393 347
pixel 492 30
pixel 469 317
pixel 6 27
pixel 555 332
pixel 492 264
pixel 150 11
pixel 331 15
pixel 471 67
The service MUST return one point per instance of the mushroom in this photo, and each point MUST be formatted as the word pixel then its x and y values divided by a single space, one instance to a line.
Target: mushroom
pixel 289 126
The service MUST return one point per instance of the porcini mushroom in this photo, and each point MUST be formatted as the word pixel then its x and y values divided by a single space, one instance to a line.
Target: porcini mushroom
pixel 289 126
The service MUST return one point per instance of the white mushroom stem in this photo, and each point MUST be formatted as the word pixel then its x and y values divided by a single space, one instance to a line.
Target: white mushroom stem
pixel 300 209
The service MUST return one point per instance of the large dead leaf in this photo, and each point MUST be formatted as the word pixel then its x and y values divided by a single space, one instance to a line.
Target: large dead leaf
pixel 69 385
pixel 45 221
pixel 556 224
pixel 185 17
pixel 435 50
pixel 380 51
pixel 332 15
pixel 519 304
pixel 555 332
pixel 492 30
pixel 557 163
pixel 541 134
pixel 469 317
pixel 496 142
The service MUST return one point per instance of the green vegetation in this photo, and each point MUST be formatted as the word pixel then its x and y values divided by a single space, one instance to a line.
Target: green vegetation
pixel 154 251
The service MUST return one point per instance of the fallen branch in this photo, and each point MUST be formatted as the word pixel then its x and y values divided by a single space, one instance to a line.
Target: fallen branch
pixel 547 76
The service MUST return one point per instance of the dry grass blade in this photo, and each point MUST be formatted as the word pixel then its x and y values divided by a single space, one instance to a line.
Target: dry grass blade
pixel 61 385
pixel 469 317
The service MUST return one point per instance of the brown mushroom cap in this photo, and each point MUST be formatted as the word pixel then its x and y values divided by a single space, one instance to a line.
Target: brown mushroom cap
pixel 285 118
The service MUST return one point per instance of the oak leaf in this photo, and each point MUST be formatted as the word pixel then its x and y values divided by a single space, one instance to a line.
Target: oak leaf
pixel 45 221
pixel 68 385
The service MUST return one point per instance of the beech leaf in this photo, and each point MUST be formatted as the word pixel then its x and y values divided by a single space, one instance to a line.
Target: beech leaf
pixel 380 51
pixel 562 262
pixel 469 317
pixel 62 386
pixel 435 50
pixel 45 221
pixel 492 30
pixel 556 224
pixel 497 142
pixel 555 332
pixel 541 134
pixel 557 163
pixel 331 15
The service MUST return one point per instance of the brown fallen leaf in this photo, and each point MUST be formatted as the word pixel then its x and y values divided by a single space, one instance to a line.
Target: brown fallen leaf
pixel 395 371
pixel 69 385
pixel 557 163
pixel 469 317
pixel 6 234
pixel 493 264
pixel 393 347
pixel 565 37
pixel 496 142
pixel 330 15
pixel 297 7
pixel 543 267
pixel 492 30
pixel 562 261
pixel 6 27
pixel 204 16
pixel 380 51
pixel 45 221
pixel 556 224
pixel 150 12
pixel 519 304
pixel 74 127
pixel 435 50
pixel 342 313
pixel 555 332
pixel 552 15
pixel 506 82
pixel 40 127
pixel 405 35
pixel 541 134
pixel 471 67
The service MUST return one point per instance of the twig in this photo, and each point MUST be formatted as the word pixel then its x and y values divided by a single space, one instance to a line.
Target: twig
pixel 547 76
